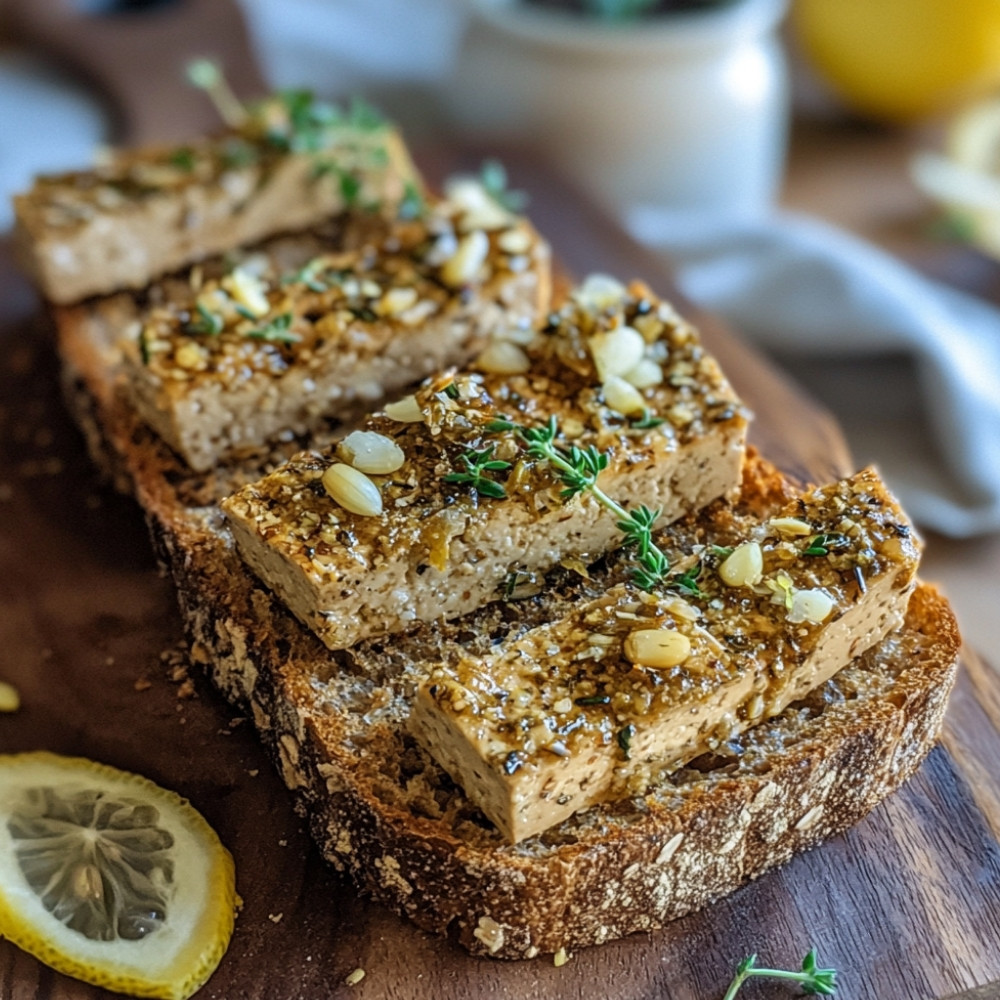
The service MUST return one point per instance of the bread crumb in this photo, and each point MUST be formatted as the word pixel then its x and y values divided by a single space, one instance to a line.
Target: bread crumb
pixel 282 843
pixel 355 977
pixel 109 661
pixel 560 958
pixel 275 918
pixel 142 684
pixel 10 699
pixel 254 772
pixel 186 690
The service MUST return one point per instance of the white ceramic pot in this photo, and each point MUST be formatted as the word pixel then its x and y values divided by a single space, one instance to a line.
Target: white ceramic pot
pixel 685 110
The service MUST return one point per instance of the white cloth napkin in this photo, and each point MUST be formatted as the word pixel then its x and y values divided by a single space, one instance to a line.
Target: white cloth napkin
pixel 910 367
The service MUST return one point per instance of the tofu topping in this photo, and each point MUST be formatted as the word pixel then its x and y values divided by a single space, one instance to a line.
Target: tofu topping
pixel 632 685
pixel 470 504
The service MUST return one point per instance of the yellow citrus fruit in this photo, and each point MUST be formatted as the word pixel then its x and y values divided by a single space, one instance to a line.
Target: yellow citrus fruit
pixel 109 878
pixel 902 59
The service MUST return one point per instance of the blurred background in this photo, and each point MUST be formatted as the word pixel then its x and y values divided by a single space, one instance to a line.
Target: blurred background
pixel 823 173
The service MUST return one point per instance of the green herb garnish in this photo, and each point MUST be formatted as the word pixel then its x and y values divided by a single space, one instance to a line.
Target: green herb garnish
pixel 493 177
pixel 578 469
pixel 412 206
pixel 688 581
pixel 207 322
pixel 812 980
pixel 183 159
pixel 143 347
pixel 594 699
pixel 308 276
pixel 625 740
pixel 647 420
pixel 477 464
pixel 820 545
pixel 451 391
pixel 722 551
pixel 277 330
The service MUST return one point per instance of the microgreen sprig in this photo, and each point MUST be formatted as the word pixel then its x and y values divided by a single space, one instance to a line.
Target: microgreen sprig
pixel 578 470
pixel 814 981
pixel 276 330
pixel 477 464
pixel 493 177
pixel 820 545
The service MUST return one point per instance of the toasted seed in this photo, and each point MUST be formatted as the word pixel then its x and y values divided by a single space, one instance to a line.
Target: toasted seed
pixel 646 374
pixel 354 977
pixel 406 410
pixel 657 647
pixel 600 291
pixel 397 300
pixel 810 606
pixel 622 397
pixel 617 351
pixel 247 290
pixel 353 490
pixel 501 357
pixel 10 699
pixel 465 264
pixel 790 526
pixel 744 566
pixel 560 958
pixel 191 356
pixel 371 452
pixel 649 325
pixel 514 241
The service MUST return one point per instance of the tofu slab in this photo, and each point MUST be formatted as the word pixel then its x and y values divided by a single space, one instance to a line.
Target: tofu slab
pixel 150 212
pixel 284 338
pixel 441 546
pixel 610 699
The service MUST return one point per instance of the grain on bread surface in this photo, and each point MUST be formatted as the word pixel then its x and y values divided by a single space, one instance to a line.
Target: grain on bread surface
pixel 439 542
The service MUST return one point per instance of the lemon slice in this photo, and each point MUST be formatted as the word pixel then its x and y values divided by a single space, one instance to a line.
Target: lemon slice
pixel 109 878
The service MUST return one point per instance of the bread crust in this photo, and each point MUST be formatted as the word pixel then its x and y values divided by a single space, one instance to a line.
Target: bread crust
pixel 382 813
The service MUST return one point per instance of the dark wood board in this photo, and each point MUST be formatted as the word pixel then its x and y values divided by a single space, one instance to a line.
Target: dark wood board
pixel 906 905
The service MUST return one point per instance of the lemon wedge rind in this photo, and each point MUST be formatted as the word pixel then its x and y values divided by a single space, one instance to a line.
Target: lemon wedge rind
pixel 181 954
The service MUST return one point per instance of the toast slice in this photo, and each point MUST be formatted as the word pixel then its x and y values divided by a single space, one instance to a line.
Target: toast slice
pixel 291 163
pixel 463 506
pixel 382 810
pixel 610 700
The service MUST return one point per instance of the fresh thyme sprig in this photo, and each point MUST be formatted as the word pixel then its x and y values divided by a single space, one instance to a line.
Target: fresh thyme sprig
pixel 578 470
pixel 477 464
pixel 814 981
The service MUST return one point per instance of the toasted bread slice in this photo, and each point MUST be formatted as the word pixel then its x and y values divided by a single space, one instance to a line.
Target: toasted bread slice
pixel 150 212
pixel 382 810
pixel 438 538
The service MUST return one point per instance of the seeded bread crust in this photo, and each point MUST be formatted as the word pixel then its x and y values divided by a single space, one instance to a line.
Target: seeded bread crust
pixel 381 810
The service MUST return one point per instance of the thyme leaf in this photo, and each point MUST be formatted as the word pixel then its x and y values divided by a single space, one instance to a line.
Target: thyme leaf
pixel 209 323
pixel 646 421
pixel 625 740
pixel 493 177
pixel 477 463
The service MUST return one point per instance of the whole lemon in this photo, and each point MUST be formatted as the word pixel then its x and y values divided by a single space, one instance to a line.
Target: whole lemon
pixel 902 59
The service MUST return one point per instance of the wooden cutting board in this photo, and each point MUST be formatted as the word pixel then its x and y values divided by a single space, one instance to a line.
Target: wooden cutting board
pixel 906 905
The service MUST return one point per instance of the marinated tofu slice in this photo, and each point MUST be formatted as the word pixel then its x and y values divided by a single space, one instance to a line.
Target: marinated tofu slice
pixel 609 700
pixel 428 511
pixel 282 339
pixel 149 212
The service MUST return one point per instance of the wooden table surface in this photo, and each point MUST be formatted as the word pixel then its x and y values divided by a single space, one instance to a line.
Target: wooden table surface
pixel 907 904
